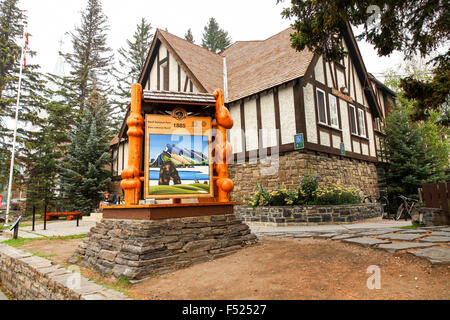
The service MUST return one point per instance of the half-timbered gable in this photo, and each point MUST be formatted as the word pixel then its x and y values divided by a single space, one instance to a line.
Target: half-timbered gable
pixel 273 93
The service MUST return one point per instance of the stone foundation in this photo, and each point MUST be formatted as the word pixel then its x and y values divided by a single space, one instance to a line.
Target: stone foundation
pixel 309 215
pixel 138 249
pixel 294 165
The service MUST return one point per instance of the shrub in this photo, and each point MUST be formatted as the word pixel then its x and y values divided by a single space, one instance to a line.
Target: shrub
pixel 307 188
pixel 260 197
pixel 333 194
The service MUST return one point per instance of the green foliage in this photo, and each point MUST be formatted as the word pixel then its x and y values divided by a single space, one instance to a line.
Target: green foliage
pixel 189 36
pixel 91 59
pixel 333 194
pixel 308 186
pixel 83 170
pixel 131 61
pixel 407 26
pixel 410 163
pixel 214 38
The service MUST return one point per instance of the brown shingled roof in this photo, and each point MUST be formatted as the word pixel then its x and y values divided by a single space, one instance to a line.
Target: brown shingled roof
pixel 254 66
pixel 206 65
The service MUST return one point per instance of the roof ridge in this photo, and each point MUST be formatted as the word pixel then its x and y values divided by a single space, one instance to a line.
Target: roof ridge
pixel 192 43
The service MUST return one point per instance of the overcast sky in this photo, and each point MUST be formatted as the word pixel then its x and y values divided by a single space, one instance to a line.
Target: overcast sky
pixel 243 19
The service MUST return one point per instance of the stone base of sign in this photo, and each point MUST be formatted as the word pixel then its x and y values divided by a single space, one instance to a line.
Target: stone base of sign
pixel 136 249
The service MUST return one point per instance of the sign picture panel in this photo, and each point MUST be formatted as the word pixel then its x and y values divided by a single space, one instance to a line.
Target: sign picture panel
pixel 178 161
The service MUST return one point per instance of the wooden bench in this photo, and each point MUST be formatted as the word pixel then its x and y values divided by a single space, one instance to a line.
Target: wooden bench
pixel 56 215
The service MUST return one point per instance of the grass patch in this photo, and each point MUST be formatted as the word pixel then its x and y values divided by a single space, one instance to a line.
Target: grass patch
pixel 7 293
pixel 37 254
pixel 21 241
pixel 411 227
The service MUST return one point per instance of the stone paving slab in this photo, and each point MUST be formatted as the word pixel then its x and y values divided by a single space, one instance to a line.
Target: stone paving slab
pixel 440 233
pixel 377 232
pixel 401 236
pixel 366 242
pixel 327 235
pixel 394 247
pixel 437 255
pixel 345 236
pixel 440 239
pixel 2 296
pixel 415 231
pixel 303 235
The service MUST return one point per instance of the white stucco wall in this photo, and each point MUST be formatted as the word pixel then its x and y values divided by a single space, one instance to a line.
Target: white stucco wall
pixel 318 71
pixel 125 149
pixel 310 113
pixel 371 134
pixel 235 132
pixel 340 78
pixel 268 120
pixel 364 149
pixel 251 125
pixel 173 74
pixel 287 114
pixel 356 147
pixel 345 124
pixel 328 71
pixel 336 141
pixel 325 139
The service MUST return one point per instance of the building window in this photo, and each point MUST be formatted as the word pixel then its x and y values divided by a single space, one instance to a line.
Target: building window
pixel 322 107
pixel 353 125
pixel 362 123
pixel 334 118
pixel 165 77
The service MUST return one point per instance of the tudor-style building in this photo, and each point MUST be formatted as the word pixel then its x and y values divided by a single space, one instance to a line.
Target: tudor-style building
pixel 273 93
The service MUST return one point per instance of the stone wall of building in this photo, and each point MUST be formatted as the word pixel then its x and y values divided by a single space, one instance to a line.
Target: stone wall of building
pixel 292 166
pixel 136 249
pixel 309 215
pixel 29 277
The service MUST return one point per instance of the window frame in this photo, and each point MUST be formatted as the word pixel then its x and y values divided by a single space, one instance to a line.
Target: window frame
pixel 362 123
pixel 352 109
pixel 330 98
pixel 324 104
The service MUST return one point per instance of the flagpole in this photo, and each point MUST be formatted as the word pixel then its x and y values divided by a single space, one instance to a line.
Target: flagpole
pixel 11 169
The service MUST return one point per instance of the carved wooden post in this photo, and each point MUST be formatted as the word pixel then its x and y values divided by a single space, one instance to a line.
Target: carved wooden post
pixel 222 148
pixel 131 183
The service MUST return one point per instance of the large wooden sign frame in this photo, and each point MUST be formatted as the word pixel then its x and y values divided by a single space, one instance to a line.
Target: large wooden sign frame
pixel 169 158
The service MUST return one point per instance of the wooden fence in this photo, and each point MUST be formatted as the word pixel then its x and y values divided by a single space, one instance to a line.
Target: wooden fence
pixel 436 195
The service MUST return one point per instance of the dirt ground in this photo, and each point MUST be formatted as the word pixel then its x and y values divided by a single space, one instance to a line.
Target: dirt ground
pixel 288 269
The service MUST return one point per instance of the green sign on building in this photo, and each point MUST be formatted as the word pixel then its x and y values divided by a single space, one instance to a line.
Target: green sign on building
pixel 342 148
pixel 299 141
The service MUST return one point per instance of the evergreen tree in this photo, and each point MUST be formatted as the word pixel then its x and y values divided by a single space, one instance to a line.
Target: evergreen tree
pixel 47 147
pixel 83 170
pixel 91 57
pixel 189 36
pixel 214 38
pixel 409 163
pixel 131 61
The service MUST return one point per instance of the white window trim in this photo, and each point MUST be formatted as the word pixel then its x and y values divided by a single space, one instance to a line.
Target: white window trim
pixel 330 97
pixel 325 106
pixel 353 110
pixel 363 122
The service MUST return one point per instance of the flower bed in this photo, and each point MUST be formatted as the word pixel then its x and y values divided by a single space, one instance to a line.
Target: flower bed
pixel 308 204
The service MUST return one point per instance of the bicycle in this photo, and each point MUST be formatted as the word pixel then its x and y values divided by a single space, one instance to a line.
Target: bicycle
pixel 407 207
